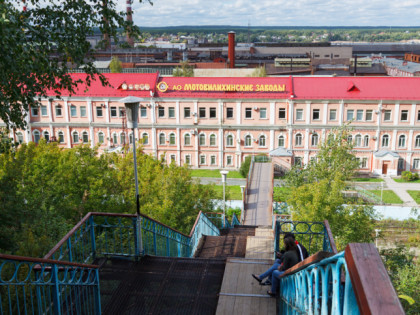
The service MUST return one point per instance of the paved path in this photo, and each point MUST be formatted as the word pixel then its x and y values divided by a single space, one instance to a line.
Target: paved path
pixel 401 190
pixel 259 198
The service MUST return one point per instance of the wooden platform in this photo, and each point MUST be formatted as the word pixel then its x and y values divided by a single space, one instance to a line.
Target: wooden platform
pixel 260 246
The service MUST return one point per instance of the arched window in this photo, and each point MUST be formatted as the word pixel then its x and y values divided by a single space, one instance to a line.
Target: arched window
pixel 401 141
pixel 19 137
pixel 37 136
pixel 350 139
pixel 331 138
pixel 130 138
pixel 366 141
pixel 172 138
pixel 229 141
pixel 46 136
pixel 122 138
pixel 85 137
pixel 281 141
pixel 385 140
pixel 298 139
pixel 101 137
pixel 358 141
pixel 416 144
pixel 261 141
pixel 114 138
pixel 61 137
pixel 145 138
pixel 248 141
pixel 314 140
pixel 75 137
pixel 187 139
pixel 202 139
pixel 162 139
pixel 212 139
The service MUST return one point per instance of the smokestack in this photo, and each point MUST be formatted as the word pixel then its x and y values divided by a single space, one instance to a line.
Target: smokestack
pixel 231 49
pixel 130 40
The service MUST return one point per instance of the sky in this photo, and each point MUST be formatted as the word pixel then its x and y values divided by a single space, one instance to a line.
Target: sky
pixel 276 12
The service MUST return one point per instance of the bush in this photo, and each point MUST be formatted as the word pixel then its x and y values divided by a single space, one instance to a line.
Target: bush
pixel 245 166
pixel 408 176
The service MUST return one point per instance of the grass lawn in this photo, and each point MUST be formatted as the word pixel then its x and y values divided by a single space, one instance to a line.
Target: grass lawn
pixel 400 180
pixel 388 197
pixel 368 180
pixel 415 194
pixel 214 173
pixel 232 192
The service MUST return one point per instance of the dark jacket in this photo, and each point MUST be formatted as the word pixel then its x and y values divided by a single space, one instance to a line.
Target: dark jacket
pixel 290 258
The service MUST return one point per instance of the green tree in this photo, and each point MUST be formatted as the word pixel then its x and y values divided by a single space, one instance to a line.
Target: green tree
pixel 116 65
pixel 259 72
pixel 185 70
pixel 36 46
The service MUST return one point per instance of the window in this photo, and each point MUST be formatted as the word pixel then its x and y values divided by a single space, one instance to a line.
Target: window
pixel 314 140
pixel 99 111
pixel 229 160
pixel 58 111
pixel 82 111
pixel 44 110
pixel 350 114
pixel 113 111
pixel 385 140
pixel 261 141
pixel 162 139
pixel 359 115
pixel 114 138
pixel 212 112
pixel 358 141
pixel 46 136
pixel 298 161
pixel 212 139
pixel 298 140
pixel 143 112
pixel 202 159
pixel 363 162
pixel 187 113
pixel 173 158
pixel 248 141
pixel 202 112
pixel 171 138
pixel 73 111
pixel 350 139
pixel 366 141
pixel 130 138
pixel 202 139
pixel 404 115
pixel 401 141
pixel 212 160
pixel 61 137
pixel 315 114
pixel 171 112
pixel 299 114
pixel 187 139
pixel 85 137
pixel 19 137
pixel 387 115
pixel 416 164
pixel 417 142
pixel 263 113
pixel 418 115
pixel 75 137
pixel 229 112
pixel 333 114
pixel 122 138
pixel 145 138
pixel 400 164
pixel 281 141
pixel 121 111
pixel 34 111
pixel 282 113
pixel 248 112
pixel 188 159
pixel 369 116
pixel 101 137
pixel 36 136
pixel 229 141
pixel 161 112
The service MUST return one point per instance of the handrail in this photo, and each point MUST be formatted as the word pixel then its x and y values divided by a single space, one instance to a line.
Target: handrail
pixel 235 220
pixel 330 237
pixel 46 261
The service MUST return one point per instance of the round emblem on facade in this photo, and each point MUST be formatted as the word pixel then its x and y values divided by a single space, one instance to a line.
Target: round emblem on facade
pixel 124 86
pixel 162 86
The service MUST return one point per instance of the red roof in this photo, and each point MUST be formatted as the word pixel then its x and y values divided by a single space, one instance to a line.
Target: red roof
pixel 301 88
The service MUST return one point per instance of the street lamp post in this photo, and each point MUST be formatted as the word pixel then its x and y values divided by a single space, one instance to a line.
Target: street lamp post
pixel 224 174
pixel 132 111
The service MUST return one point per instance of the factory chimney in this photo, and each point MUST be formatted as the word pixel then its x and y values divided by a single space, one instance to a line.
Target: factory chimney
pixel 231 49
pixel 130 40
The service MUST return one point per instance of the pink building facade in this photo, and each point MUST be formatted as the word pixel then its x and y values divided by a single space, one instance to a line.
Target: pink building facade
pixel 217 122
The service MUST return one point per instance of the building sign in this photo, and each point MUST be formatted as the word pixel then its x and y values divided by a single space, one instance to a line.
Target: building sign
pixel 163 87
pixel 137 87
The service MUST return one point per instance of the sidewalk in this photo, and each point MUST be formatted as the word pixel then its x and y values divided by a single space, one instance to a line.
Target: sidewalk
pixel 401 190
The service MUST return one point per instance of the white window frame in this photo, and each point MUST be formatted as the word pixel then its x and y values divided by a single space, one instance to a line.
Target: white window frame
pixel 387 137
pixel 314 140
pixel 359 114
pixel 278 141
pixel 213 160
pixel 145 139
pixel 73 111
pixel 402 139
pixel 160 138
pixel 34 111
pixel 58 108
pixel 417 142
pixel 171 112
pixel 416 164
pixel 202 136
pixel 99 137
pixel 388 112
pixel 187 157
pixel 335 115
pixel 316 111
pixel 113 112
pixel 203 159
pixel 300 137
pixel 229 140
pixel 99 111
pixel 350 114
pixel 369 115
pixel 172 139
pixel 143 112
pixel 262 141
pixel 85 133
pixel 73 135
pixel 404 111
pixel 187 135
pixel 366 141
pixel 248 137
pixel 358 140
pixel 36 134
pixel 299 114
pixel 44 110
pixel 61 139
pixel 263 110
pixel 229 160
pixel 46 135
pixel 283 111
pixel 212 140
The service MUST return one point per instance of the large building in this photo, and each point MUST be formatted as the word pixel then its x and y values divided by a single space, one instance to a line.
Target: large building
pixel 217 122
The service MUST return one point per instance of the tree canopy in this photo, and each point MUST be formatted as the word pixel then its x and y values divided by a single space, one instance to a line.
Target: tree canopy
pixel 41 44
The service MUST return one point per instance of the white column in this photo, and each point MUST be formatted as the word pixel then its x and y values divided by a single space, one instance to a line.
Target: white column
pixel 238 143
pixel 396 114
pixel 66 109
pixel 108 136
pixel 154 147
pixel 306 139
pixel 408 161
pixel 341 113
pixel 92 137
pixel 68 136
pixel 221 144
pixel 153 110
pixel 220 114
pixel 196 113
pixel 413 114
pixel 90 113
pixel 410 140
pixel 323 134
pixel 272 113
pixel 177 113
pixel 107 111
pixel 290 147
pixel 271 140
pixel 196 149
pixel 291 113
pixel 238 113
pixel 308 113
pixel 50 110
pixel 394 140
pixel 325 116
pixel 178 142
pixel 378 139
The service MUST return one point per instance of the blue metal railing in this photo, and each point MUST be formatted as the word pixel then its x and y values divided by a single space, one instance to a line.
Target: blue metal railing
pixel 319 289
pixel 217 219
pixel 41 286
pixel 235 220
pixel 203 226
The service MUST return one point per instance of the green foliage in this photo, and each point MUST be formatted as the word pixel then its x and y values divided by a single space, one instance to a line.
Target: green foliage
pixel 281 194
pixel 214 173
pixel 116 65
pixel 6 143
pixel 245 166
pixel 407 176
pixel 259 72
pixel 185 70
pixel 415 194
pixel 231 211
